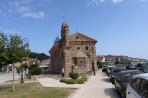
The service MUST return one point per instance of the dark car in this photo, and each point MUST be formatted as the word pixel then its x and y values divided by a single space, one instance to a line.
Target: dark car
pixel 144 68
pixel 104 68
pixel 113 73
pixel 122 79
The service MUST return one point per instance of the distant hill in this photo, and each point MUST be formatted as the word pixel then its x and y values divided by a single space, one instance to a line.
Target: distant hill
pixel 39 56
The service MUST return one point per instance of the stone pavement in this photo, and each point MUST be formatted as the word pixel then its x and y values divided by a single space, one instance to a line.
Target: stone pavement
pixel 50 82
pixel 98 86
pixel 4 77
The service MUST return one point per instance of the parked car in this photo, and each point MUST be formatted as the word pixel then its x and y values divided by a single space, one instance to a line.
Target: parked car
pixel 108 70
pixel 132 66
pixel 114 72
pixel 144 68
pixel 138 87
pixel 122 79
pixel 104 68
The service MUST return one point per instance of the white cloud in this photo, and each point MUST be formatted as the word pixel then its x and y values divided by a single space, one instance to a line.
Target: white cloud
pixel 34 15
pixel 7 31
pixel 97 2
pixel 22 9
pixel 117 1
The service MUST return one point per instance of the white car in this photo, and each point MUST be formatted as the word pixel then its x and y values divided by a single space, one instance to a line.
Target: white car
pixel 138 87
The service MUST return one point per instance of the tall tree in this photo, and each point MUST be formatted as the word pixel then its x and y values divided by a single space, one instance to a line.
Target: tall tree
pixel 3 50
pixel 18 49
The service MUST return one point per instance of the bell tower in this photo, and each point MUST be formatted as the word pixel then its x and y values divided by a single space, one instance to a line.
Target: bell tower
pixel 64 30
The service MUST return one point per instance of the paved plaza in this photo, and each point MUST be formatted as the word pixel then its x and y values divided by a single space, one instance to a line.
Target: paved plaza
pixel 98 86
pixel 4 77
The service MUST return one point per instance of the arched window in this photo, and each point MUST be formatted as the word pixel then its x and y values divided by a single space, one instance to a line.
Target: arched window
pixel 87 48
pixel 78 48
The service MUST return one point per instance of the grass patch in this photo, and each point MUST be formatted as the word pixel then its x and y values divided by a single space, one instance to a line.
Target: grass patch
pixel 33 90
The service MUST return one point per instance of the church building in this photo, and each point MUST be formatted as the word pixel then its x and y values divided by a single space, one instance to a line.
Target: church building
pixel 76 53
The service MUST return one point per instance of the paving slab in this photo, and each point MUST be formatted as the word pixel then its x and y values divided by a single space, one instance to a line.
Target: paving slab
pixel 98 86
pixel 50 82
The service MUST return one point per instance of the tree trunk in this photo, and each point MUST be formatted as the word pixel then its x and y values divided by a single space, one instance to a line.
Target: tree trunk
pixel 13 78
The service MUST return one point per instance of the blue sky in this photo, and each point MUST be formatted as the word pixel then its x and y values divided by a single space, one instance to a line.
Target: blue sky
pixel 119 26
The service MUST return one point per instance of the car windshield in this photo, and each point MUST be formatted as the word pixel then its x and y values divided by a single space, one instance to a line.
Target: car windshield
pixel 115 70
pixel 145 65
pixel 127 77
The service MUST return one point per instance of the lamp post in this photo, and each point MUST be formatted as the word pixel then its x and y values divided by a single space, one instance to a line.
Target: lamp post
pixel 25 47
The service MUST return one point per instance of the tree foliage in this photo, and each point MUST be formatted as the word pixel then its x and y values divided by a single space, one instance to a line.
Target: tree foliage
pixel 3 50
pixel 12 49
pixel 39 56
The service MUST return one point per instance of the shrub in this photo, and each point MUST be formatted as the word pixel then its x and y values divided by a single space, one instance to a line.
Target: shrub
pixel 70 81
pixel 80 81
pixel 74 75
pixel 84 78
pixel 33 66
pixel 63 80
pixel 36 71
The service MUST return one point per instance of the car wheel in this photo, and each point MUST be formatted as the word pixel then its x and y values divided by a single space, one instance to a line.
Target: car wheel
pixel 122 94
pixel 116 88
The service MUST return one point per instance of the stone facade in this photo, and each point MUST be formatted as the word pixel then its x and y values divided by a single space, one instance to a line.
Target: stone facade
pixel 75 52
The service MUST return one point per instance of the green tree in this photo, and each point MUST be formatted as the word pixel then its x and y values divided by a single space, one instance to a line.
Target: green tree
pixel 18 69
pixel 18 49
pixel 3 50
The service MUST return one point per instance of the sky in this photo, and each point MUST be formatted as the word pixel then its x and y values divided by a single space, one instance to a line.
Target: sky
pixel 119 26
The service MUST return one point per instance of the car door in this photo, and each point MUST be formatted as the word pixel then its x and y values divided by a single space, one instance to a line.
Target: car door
pixel 144 89
pixel 134 89
pixel 118 82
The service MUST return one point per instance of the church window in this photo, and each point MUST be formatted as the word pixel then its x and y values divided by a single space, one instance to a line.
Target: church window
pixel 92 48
pixel 77 37
pixel 81 62
pixel 87 48
pixel 78 48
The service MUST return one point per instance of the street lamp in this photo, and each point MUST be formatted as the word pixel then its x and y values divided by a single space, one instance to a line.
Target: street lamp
pixel 25 47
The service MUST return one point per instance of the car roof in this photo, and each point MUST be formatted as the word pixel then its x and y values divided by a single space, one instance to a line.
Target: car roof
pixel 143 76
pixel 127 71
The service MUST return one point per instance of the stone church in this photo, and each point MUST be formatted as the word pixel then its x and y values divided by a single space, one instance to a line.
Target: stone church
pixel 76 53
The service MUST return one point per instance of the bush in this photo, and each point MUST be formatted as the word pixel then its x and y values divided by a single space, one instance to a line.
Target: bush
pixel 63 80
pixel 36 71
pixel 70 81
pixel 82 80
pixel 33 66
pixel 74 75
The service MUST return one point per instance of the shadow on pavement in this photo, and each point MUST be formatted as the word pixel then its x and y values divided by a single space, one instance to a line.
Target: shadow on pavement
pixel 104 75
pixel 106 80
pixel 111 92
